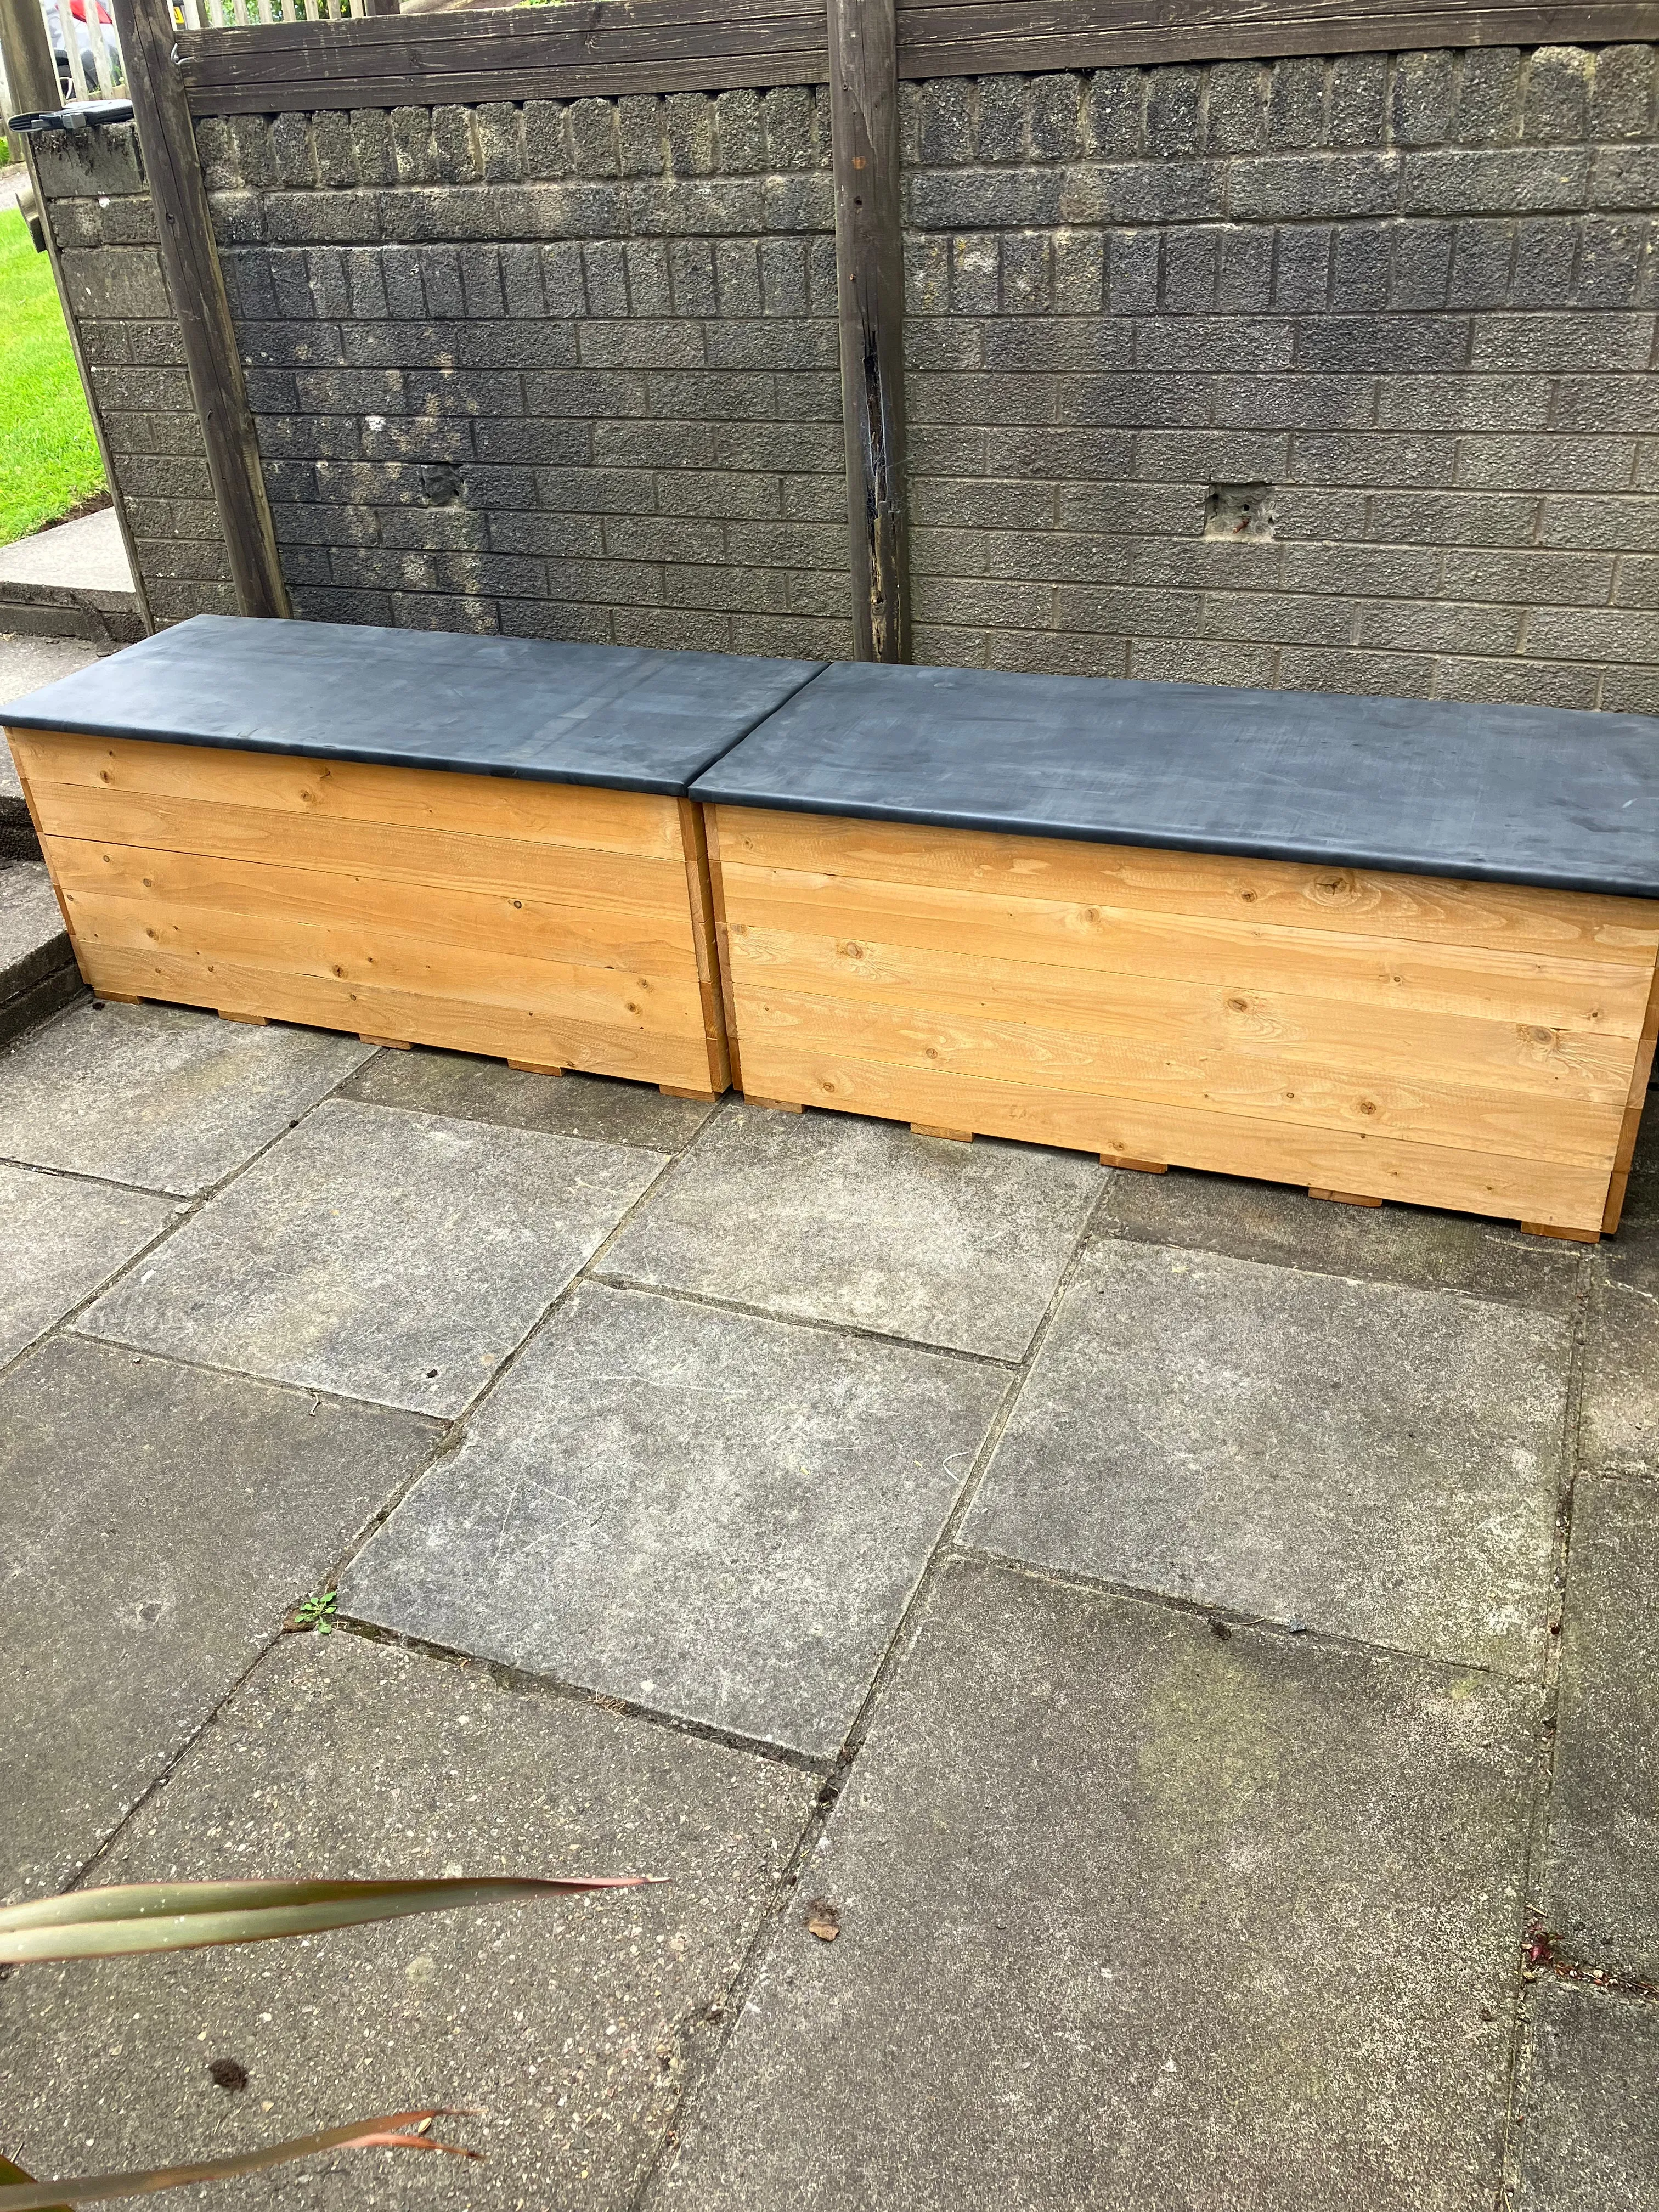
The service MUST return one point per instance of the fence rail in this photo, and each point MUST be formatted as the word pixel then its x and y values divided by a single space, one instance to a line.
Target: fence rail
pixel 615 46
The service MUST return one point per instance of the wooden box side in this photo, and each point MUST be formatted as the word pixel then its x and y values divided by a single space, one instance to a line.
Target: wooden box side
pixel 552 925
pixel 1469 1046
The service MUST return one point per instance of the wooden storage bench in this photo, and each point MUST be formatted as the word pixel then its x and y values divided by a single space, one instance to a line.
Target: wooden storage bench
pixel 478 842
pixel 1374 947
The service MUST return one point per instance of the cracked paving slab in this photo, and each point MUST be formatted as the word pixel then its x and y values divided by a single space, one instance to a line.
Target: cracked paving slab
pixel 394 1257
pixel 706 1513
pixel 159 1521
pixel 159 1096
pixel 1135 1914
pixel 572 2022
pixel 1377 1460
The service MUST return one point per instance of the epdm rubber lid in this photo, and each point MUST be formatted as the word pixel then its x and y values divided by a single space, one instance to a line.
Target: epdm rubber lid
pixel 619 716
pixel 1515 794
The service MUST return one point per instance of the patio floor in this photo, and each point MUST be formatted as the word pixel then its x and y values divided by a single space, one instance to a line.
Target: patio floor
pixel 1193 1639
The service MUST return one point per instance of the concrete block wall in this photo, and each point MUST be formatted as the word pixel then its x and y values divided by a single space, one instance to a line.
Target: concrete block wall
pixel 98 204
pixel 1394 315
pixel 558 370
pixel 1328 374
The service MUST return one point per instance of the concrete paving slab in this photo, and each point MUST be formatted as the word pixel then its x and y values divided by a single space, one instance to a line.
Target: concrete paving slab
pixel 1601 1894
pixel 589 1106
pixel 395 1256
pixel 572 2023
pixel 1620 1419
pixel 1131 1915
pixel 1589 2120
pixel 1362 1458
pixel 63 1238
pixel 33 939
pixel 88 555
pixel 1385 1244
pixel 860 1222
pixel 37 973
pixel 27 663
pixel 159 1096
pixel 160 1521
pixel 708 1514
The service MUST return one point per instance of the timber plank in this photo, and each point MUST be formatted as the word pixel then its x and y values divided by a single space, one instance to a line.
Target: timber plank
pixel 483 922
pixel 359 957
pixel 864 170
pixel 500 1032
pixel 974 36
pixel 1562 992
pixel 1463 1181
pixel 1286 1029
pixel 700 913
pixel 924 1041
pixel 634 822
pixel 637 886
pixel 1150 879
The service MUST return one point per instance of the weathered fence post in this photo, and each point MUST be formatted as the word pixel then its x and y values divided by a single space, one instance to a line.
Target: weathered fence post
pixel 184 233
pixel 870 272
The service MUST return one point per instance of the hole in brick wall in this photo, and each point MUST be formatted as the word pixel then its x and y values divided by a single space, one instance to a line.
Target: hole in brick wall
pixel 1239 511
pixel 443 486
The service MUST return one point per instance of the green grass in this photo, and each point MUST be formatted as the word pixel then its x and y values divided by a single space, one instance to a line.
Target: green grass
pixel 49 463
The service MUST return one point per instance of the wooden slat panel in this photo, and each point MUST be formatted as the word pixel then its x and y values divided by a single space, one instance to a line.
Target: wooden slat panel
pixel 1284 1030
pixel 1589 994
pixel 632 886
pixel 1510 917
pixel 476 805
pixel 1227 1143
pixel 1016 1050
pixel 418 1017
pixel 480 923
pixel 966 38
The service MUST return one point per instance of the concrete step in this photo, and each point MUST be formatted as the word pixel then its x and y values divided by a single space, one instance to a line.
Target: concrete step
pixel 72 580
pixel 27 663
pixel 37 973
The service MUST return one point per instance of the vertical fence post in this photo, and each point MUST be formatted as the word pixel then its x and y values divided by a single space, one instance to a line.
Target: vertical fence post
pixel 184 232
pixel 26 58
pixel 870 273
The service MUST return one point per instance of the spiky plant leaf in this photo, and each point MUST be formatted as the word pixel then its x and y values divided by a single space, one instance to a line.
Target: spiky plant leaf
pixel 390 2131
pixel 183 1916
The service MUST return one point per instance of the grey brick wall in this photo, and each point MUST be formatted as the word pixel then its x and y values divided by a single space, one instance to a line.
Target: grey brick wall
pixel 569 369
pixel 562 370
pixel 1412 295
pixel 99 207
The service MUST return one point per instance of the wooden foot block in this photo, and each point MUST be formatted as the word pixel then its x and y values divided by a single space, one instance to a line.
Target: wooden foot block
pixel 956 1136
pixel 777 1105
pixel 119 999
pixel 254 1021
pixel 1141 1167
pixel 392 1044
pixel 534 1067
pixel 1343 1197
pixel 677 1090
pixel 1568 1236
